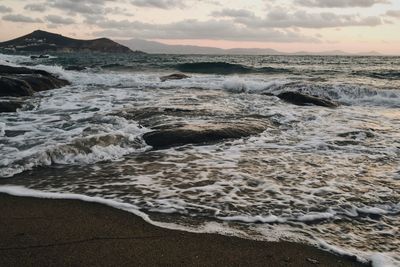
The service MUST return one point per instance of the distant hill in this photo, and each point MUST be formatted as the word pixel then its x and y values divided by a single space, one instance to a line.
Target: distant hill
pixel 160 48
pixel 42 42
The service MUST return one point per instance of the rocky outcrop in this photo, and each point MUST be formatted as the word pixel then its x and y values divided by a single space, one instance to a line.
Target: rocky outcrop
pixel 301 99
pixel 192 124
pixel 10 106
pixel 202 133
pixel 20 81
pixel 175 76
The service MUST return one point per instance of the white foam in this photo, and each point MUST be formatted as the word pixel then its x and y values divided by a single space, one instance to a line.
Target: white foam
pixel 312 216
pixel 297 165
pixel 20 191
pixel 208 227
pixel 254 219
pixel 2 128
pixel 13 60
pixel 372 210
pixel 377 259
pixel 238 84
pixel 380 260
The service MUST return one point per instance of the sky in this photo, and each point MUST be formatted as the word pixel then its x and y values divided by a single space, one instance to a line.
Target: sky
pixel 284 25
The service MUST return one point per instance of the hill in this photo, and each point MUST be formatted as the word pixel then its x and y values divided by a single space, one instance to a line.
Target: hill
pixel 160 48
pixel 42 42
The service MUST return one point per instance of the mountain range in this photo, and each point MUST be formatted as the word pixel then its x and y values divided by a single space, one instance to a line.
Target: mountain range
pixel 43 42
pixel 153 47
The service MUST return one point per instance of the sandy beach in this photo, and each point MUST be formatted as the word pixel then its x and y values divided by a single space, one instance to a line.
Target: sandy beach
pixel 40 232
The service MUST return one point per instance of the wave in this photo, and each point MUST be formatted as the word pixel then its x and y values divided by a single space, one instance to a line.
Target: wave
pixel 119 66
pixel 346 94
pixel 81 151
pixel 383 75
pixel 225 68
pixel 374 259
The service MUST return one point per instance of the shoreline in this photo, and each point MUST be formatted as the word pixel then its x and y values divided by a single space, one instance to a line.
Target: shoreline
pixel 44 232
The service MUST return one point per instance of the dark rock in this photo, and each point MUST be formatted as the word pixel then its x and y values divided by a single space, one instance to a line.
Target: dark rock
pixel 175 76
pixel 20 81
pixel 300 99
pixel 14 87
pixel 43 83
pixel 357 134
pixel 8 70
pixel 10 106
pixel 202 133
pixel 10 133
pixel 39 57
pixel 75 68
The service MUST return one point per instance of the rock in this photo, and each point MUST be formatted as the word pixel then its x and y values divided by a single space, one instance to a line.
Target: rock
pixel 14 133
pixel 202 133
pixel 175 76
pixel 300 99
pixel 8 70
pixel 10 106
pixel 14 87
pixel 75 68
pixel 20 81
pixel 40 57
pixel 43 83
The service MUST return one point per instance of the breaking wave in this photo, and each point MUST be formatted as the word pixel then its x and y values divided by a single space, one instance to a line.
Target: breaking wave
pixel 346 94
pixel 226 68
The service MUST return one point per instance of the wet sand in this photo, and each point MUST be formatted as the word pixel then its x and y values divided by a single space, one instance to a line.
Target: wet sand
pixel 39 232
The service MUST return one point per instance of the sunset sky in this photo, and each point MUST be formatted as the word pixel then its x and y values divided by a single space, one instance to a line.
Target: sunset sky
pixel 292 25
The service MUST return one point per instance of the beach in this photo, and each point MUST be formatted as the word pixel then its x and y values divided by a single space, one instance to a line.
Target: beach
pixel 42 232
pixel 271 148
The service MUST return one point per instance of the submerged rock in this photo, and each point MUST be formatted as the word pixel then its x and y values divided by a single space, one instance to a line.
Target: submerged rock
pixel 10 106
pixel 20 81
pixel 175 76
pixel 40 57
pixel 75 68
pixel 300 99
pixel 202 133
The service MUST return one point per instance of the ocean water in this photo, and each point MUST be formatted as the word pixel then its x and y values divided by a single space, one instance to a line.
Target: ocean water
pixel 327 177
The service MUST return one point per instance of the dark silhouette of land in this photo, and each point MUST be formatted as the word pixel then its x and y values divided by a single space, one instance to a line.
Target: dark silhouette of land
pixel 43 42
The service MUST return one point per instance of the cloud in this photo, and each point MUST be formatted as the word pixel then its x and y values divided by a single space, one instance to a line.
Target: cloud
pixel 21 18
pixel 340 3
pixel 4 9
pixel 163 4
pixel 89 7
pixel 393 13
pixel 54 19
pixel 302 19
pixel 195 29
pixel 235 13
pixel 118 11
pixel 78 6
pixel 36 7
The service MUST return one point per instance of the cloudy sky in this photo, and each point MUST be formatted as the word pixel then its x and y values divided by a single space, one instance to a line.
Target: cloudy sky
pixel 286 25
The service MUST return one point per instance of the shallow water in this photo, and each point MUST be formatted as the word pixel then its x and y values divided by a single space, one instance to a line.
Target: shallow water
pixel 326 176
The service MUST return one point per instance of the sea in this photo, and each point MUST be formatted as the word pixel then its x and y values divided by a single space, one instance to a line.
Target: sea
pixel 320 176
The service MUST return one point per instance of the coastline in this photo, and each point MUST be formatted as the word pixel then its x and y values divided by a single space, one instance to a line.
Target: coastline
pixel 50 232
